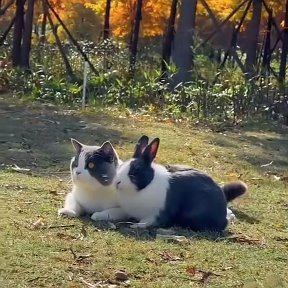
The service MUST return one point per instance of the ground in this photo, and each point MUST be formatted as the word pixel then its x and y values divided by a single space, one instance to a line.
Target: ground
pixel 39 249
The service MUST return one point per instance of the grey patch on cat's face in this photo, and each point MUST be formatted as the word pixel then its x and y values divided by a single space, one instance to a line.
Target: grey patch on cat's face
pixel 100 163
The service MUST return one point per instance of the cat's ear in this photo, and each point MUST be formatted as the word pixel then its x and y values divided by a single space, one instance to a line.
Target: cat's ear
pixel 107 148
pixel 150 151
pixel 140 146
pixel 77 145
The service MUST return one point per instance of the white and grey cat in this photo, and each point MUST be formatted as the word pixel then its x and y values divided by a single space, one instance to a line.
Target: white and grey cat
pixel 92 172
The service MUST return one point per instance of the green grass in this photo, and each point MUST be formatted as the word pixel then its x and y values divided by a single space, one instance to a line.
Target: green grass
pixel 39 139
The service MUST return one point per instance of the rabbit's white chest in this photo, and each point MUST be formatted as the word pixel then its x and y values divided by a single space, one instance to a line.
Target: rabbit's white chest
pixel 143 205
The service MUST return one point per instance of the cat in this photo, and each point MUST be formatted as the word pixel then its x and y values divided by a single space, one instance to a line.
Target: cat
pixel 92 172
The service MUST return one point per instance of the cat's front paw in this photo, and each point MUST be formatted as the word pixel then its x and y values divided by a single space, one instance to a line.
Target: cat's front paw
pixel 100 216
pixel 67 213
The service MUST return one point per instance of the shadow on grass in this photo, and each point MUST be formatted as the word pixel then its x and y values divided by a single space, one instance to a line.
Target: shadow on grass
pixel 259 143
pixel 38 137
pixel 244 217
pixel 150 234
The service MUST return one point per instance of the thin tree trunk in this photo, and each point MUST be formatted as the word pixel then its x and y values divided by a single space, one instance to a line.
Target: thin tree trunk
pixel 18 30
pixel 267 46
pixel 6 32
pixel 68 67
pixel 183 47
pixel 135 37
pixel 253 34
pixel 106 30
pixel 84 55
pixel 233 40
pixel 219 29
pixel 6 7
pixel 282 73
pixel 27 35
pixel 169 37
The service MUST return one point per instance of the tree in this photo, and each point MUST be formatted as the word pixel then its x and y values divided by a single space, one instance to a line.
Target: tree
pixel 17 35
pixel 183 47
pixel 27 35
pixel 284 54
pixel 135 36
pixel 106 30
pixel 253 36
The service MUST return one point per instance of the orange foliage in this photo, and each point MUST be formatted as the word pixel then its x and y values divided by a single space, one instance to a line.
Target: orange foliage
pixel 154 16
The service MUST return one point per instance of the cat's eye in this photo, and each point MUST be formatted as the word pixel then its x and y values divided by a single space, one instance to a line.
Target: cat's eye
pixel 91 165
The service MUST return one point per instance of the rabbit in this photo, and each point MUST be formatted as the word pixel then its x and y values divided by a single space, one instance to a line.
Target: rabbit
pixel 173 195
pixel 92 172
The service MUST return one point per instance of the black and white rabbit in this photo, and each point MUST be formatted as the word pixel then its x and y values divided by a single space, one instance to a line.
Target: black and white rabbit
pixel 165 196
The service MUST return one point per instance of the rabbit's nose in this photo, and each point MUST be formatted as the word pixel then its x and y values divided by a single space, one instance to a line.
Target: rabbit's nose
pixel 117 184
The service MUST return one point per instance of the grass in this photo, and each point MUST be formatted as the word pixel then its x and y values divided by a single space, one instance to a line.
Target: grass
pixel 55 252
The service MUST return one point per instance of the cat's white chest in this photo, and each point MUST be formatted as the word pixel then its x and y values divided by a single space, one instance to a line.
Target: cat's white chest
pixel 97 200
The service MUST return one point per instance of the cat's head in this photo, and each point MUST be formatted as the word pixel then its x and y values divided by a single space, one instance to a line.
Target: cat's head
pixel 93 165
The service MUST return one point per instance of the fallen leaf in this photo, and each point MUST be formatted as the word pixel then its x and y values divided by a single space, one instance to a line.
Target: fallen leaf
pixel 83 259
pixel 65 236
pixel 121 276
pixel 83 233
pixel 38 224
pixel 281 239
pixel 242 238
pixel 200 275
pixel 169 257
pixel 227 268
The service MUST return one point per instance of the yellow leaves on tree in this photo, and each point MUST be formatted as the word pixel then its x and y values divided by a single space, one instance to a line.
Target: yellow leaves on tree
pixel 154 16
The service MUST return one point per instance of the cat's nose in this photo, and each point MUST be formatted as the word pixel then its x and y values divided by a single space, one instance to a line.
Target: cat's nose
pixel 78 173
pixel 117 184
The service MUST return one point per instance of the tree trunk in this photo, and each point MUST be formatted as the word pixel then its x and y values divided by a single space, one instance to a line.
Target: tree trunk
pixel 183 47
pixel 253 34
pixel 43 26
pixel 17 35
pixel 135 36
pixel 106 30
pixel 169 37
pixel 267 46
pixel 284 54
pixel 27 35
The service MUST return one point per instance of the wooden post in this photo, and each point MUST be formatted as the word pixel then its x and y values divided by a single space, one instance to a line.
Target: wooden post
pixel 85 73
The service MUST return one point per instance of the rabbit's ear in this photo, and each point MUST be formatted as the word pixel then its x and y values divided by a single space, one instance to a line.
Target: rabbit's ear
pixel 151 150
pixel 140 146
pixel 77 145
